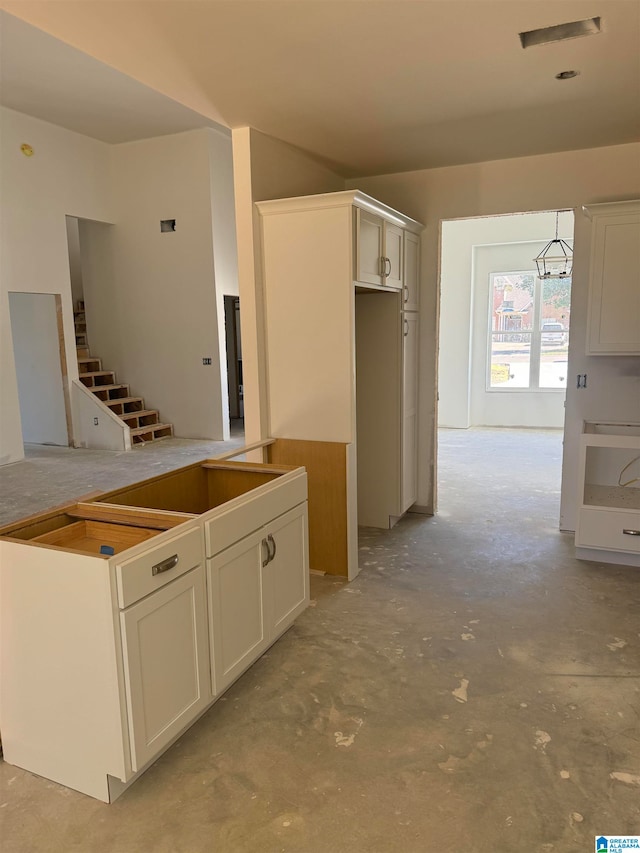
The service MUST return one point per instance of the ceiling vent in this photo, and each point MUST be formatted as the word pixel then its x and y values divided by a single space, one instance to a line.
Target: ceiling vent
pixel 561 32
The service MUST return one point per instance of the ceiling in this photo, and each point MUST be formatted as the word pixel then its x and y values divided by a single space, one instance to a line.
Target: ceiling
pixel 370 86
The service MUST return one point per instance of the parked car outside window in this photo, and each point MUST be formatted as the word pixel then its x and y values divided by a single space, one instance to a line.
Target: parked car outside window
pixel 553 333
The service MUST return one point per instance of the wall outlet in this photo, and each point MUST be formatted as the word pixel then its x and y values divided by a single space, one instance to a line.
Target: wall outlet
pixel 206 361
pixel 95 422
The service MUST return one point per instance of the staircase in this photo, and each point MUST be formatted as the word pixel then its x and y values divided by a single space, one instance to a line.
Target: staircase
pixel 144 423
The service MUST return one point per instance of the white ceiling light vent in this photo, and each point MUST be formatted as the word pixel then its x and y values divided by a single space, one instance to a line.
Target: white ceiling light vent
pixel 561 32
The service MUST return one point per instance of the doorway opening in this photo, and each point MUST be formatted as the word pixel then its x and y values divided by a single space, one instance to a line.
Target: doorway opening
pixel 234 360
pixel 41 368
pixel 504 332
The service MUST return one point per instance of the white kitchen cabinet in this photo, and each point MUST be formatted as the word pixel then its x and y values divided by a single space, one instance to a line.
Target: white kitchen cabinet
pixel 166 664
pixel 237 627
pixel 379 250
pixel 410 322
pixel 286 588
pixel 105 656
pixel 256 591
pixel 608 528
pixel 336 374
pixel 411 291
pixel 614 279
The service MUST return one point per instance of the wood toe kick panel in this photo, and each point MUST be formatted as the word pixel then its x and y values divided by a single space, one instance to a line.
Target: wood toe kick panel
pixel 604 528
pixel 326 464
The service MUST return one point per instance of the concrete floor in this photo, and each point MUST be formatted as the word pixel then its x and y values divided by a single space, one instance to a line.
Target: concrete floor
pixel 475 689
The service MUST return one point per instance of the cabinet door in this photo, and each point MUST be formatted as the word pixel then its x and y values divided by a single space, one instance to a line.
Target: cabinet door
pixel 166 663
pixel 286 575
pixel 614 295
pixel 236 617
pixel 410 293
pixel 410 411
pixel 393 255
pixel 369 245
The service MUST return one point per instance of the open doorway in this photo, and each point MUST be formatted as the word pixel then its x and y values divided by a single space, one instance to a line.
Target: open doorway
pixel 504 332
pixel 234 359
pixel 41 367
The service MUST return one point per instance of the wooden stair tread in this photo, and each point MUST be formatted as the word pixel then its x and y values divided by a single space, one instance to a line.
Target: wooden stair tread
pixel 122 400
pixel 92 373
pixel 109 388
pixel 151 428
pixel 139 413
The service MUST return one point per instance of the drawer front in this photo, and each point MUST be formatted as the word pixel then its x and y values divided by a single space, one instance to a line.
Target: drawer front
pixel 157 566
pixel 225 527
pixel 604 528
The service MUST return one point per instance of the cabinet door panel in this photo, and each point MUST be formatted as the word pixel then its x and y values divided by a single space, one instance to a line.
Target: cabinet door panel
pixel 410 294
pixel 166 660
pixel 410 410
pixel 393 252
pixel 237 623
pixel 286 576
pixel 369 242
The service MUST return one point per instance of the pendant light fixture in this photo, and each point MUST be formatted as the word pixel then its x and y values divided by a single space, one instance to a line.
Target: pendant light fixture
pixel 556 259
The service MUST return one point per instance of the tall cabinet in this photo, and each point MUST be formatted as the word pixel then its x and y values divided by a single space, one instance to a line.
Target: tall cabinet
pixel 340 275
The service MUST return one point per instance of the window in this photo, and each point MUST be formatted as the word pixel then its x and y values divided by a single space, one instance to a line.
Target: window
pixel 528 332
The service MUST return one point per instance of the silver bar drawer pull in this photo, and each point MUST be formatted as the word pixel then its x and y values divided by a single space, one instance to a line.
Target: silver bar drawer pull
pixel 631 532
pixel 165 565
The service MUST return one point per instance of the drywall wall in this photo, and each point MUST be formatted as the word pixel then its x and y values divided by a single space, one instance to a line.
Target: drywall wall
pixel 509 242
pixel 264 168
pixel 547 182
pixel 68 174
pixel 150 296
pixel 75 261
pixel 34 329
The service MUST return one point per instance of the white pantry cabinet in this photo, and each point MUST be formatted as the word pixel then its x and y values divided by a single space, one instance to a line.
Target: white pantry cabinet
pixel 614 279
pixel 106 658
pixel 348 267
pixel 608 528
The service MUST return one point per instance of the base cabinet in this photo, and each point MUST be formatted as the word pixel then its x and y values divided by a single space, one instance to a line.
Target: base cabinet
pixel 117 632
pixel 166 657
pixel 236 615
pixel 256 591
pixel 608 528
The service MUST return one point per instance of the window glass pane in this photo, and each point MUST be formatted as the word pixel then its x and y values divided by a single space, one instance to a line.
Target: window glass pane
pixel 510 359
pixel 554 332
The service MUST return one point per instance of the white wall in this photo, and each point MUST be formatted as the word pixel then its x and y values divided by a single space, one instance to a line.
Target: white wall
pixel 547 182
pixel 471 249
pixel 264 168
pixel 75 261
pixel 67 175
pixel 152 315
pixel 34 329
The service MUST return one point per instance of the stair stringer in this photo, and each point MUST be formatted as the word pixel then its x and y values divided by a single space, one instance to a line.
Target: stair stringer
pixel 109 433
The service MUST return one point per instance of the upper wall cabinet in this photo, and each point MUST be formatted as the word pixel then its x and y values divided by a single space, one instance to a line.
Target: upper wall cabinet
pixel 379 250
pixel 614 280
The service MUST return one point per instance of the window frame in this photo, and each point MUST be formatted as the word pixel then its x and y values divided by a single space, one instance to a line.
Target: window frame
pixel 535 335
